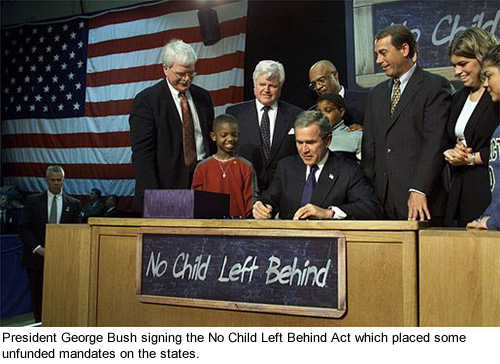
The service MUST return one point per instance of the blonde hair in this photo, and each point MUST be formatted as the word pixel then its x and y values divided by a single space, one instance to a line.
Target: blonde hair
pixel 472 43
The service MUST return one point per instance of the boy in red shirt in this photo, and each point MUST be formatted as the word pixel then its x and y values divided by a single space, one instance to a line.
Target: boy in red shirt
pixel 224 172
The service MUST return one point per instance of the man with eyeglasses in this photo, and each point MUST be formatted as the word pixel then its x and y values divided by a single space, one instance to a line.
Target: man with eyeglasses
pixel 170 124
pixel 266 123
pixel 324 79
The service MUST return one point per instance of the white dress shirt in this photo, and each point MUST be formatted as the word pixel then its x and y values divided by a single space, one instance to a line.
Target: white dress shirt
pixel 198 136
pixel 405 78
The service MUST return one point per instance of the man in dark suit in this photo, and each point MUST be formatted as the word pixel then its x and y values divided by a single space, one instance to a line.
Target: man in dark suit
pixel 53 207
pixel 112 207
pixel 404 130
pixel 170 125
pixel 93 208
pixel 7 223
pixel 318 183
pixel 266 123
pixel 324 79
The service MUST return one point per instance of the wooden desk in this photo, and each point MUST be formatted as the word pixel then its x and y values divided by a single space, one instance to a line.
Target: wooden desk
pixel 90 275
pixel 459 277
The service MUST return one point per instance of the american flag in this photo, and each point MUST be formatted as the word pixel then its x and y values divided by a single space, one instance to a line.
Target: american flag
pixel 68 87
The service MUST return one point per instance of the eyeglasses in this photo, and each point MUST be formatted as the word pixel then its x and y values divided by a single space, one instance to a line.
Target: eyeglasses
pixel 190 75
pixel 320 81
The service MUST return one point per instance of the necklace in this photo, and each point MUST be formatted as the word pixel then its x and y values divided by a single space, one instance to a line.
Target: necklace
pixel 221 168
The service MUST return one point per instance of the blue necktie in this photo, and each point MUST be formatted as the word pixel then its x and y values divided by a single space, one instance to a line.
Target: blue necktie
pixel 309 186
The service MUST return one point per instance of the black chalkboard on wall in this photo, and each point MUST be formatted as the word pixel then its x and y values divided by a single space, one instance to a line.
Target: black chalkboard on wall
pixel 300 273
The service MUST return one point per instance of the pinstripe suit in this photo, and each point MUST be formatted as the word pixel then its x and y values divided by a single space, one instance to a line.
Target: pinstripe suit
pixel 404 151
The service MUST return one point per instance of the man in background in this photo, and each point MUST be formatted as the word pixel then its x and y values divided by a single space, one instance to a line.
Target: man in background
pixel 93 208
pixel 324 79
pixel 112 207
pixel 266 123
pixel 50 207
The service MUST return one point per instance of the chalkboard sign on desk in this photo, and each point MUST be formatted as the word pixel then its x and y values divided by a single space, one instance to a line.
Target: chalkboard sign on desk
pixel 290 272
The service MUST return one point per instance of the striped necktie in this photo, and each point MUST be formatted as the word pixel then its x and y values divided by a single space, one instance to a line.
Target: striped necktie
pixel 189 146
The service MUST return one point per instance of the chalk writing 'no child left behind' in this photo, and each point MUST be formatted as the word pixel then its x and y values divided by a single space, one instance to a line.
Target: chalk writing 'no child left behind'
pixel 239 271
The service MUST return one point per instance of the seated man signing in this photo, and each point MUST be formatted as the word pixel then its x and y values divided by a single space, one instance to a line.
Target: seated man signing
pixel 318 183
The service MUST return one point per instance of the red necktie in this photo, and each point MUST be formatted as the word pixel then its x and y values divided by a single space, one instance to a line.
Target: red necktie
pixel 187 133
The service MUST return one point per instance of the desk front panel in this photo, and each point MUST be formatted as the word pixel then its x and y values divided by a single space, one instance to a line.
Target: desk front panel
pixel 381 286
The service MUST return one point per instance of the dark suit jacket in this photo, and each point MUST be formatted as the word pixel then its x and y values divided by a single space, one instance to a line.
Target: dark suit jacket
pixel 470 189
pixel 156 138
pixel 342 183
pixel 33 224
pixel 92 209
pixel 112 213
pixel 250 146
pixel 405 151
pixel 9 224
pixel 355 107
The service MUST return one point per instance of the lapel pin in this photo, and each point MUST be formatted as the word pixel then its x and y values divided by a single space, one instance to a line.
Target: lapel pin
pixel 67 208
pixel 331 176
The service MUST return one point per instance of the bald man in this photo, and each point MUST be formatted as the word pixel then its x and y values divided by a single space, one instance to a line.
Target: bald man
pixel 324 79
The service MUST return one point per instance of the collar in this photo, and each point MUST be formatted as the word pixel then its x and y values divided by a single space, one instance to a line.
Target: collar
pixel 175 93
pixel 339 126
pixel 320 165
pixel 259 105
pixel 406 76
pixel 51 196
pixel 322 162
pixel 342 91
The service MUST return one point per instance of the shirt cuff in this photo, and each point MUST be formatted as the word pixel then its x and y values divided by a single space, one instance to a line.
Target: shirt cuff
pixel 338 214
pixel 38 247
pixel 417 191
